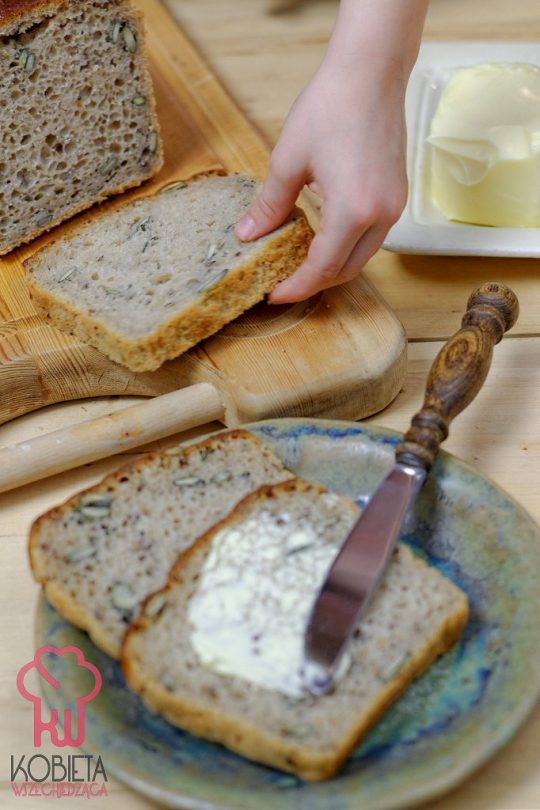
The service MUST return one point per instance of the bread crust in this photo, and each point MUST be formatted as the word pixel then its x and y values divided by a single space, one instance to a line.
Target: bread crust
pixel 26 11
pixel 205 721
pixel 244 737
pixel 56 594
pixel 17 13
pixel 243 287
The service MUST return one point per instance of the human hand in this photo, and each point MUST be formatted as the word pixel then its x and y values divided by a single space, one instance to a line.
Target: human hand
pixel 345 139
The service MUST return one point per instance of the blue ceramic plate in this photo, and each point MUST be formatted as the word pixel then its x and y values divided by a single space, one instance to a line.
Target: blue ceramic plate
pixel 446 725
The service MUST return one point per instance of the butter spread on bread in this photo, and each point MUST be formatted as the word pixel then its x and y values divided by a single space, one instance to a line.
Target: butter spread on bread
pixel 415 616
pixel 250 610
pixel 103 551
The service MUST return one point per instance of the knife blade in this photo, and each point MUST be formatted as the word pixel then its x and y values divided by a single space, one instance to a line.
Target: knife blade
pixel 355 574
pixel 455 378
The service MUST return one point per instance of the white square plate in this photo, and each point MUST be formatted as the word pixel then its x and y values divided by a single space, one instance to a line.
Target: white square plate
pixel 422 228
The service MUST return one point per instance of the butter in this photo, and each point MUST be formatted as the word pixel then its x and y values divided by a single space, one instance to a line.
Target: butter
pixel 250 610
pixel 485 142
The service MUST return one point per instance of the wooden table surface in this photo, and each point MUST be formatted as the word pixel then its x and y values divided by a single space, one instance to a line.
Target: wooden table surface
pixel 265 60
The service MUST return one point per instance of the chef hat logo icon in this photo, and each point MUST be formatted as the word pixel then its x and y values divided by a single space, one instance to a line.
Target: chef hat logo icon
pixel 73 718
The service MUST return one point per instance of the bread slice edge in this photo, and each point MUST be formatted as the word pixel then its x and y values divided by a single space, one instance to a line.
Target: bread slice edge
pixel 241 736
pixel 55 594
pixel 241 289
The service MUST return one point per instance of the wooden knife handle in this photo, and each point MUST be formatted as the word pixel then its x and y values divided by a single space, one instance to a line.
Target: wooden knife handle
pixel 459 371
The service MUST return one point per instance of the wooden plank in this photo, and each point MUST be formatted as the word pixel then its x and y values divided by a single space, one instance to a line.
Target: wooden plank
pixel 497 434
pixel 265 65
pixel 486 19
pixel 428 292
pixel 194 88
pixel 203 129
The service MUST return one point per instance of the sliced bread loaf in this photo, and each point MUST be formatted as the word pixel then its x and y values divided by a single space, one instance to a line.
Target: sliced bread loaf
pixel 103 551
pixel 78 116
pixel 218 652
pixel 152 279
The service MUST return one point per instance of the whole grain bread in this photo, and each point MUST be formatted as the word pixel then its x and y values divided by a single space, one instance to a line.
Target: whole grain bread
pixel 268 543
pixel 152 279
pixel 103 551
pixel 78 119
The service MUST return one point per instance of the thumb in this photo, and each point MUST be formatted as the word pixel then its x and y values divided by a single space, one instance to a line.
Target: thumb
pixel 272 206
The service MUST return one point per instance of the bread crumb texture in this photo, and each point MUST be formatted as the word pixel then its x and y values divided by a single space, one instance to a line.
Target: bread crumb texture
pixel 103 551
pixel 149 281
pixel 415 616
pixel 78 116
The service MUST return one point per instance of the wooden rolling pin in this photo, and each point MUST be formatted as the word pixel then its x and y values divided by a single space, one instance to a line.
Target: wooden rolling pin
pixel 108 435
pixel 188 407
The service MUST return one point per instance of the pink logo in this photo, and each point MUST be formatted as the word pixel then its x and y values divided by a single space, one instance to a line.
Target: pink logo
pixel 73 721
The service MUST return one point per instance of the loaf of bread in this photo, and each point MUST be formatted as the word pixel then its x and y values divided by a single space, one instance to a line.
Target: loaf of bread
pixel 103 551
pixel 218 652
pixel 152 279
pixel 78 116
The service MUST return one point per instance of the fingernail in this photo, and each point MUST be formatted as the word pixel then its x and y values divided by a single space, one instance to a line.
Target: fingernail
pixel 246 228
pixel 279 294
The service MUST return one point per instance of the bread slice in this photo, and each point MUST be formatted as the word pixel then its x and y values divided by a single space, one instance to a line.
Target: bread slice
pixel 152 279
pixel 218 652
pixel 100 553
pixel 78 116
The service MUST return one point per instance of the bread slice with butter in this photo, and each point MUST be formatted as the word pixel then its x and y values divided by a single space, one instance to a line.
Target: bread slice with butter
pixel 103 551
pixel 78 119
pixel 152 279
pixel 218 651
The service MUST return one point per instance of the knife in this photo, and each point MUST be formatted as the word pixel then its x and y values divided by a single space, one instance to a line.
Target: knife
pixel 455 378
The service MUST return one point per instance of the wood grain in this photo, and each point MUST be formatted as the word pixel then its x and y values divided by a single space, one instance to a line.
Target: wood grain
pixel 343 354
pixel 497 435
pixel 265 61
pixel 458 372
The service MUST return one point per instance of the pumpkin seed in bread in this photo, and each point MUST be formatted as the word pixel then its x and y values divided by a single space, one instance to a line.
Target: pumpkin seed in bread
pixel 150 280
pixel 78 116
pixel 103 551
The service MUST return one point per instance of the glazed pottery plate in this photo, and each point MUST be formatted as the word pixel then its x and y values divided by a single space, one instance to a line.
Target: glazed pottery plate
pixel 448 723
pixel 422 228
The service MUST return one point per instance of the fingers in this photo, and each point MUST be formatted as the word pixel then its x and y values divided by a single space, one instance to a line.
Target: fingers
pixel 307 280
pixel 340 230
pixel 274 203
pixel 351 232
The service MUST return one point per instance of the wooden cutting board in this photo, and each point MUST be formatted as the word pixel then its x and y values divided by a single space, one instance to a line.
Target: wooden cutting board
pixel 341 354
